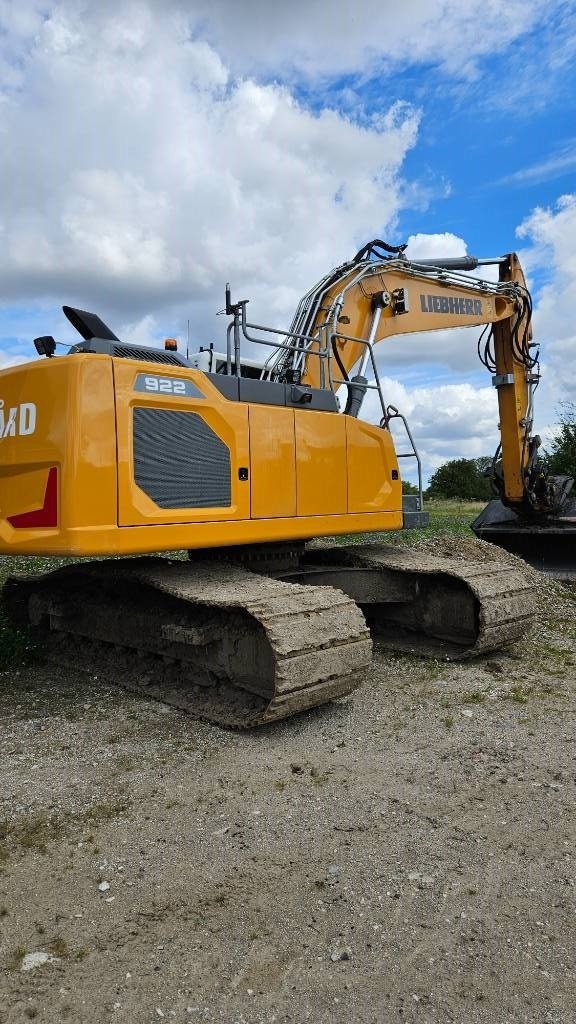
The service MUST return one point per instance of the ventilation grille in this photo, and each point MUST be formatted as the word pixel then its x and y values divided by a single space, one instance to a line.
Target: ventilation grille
pixel 147 354
pixel 179 462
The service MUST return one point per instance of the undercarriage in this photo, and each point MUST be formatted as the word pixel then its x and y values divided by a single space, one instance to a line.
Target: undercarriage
pixel 245 636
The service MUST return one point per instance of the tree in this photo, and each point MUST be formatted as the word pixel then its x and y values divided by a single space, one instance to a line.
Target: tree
pixel 561 459
pixel 408 488
pixel 462 478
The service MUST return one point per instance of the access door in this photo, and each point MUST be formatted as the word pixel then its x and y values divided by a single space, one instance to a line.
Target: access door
pixel 183 454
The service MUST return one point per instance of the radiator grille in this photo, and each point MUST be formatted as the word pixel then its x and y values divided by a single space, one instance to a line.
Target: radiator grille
pixel 179 462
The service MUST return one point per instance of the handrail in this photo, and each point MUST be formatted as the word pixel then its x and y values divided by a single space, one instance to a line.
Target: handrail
pixel 391 414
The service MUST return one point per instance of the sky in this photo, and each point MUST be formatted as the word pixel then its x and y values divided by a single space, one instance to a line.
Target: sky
pixel 152 151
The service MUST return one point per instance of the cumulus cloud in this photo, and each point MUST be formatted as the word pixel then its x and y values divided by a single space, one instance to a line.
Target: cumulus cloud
pixel 154 177
pixel 150 152
pixel 435 246
pixel 551 257
pixel 317 41
pixel 447 421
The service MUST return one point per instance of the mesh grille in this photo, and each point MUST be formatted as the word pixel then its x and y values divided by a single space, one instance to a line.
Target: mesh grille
pixel 179 462
pixel 147 354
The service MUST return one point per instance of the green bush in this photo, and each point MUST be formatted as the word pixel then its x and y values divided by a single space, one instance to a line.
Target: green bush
pixel 463 479
pixel 561 458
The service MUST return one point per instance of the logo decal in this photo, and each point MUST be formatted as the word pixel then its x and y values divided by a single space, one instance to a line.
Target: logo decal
pixel 450 304
pixel 155 385
pixel 17 420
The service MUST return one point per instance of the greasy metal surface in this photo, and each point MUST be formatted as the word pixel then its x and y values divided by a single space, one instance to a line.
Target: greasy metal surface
pixel 213 639
pixel 435 606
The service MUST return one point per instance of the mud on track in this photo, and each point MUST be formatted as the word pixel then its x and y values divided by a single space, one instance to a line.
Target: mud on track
pixel 405 855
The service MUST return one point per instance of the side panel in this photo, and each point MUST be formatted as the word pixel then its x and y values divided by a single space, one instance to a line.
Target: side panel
pixel 89 479
pixel 69 425
pixel 371 460
pixel 320 463
pixel 181 447
pixel 272 462
pixel 75 433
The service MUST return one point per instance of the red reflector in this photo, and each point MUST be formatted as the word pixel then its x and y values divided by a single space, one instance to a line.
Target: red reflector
pixel 45 516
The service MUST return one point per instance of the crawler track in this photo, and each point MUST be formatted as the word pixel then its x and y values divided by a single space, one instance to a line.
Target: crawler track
pixel 241 649
pixel 440 607
pixel 222 643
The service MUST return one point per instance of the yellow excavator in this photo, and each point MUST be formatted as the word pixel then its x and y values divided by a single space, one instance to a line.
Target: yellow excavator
pixel 119 450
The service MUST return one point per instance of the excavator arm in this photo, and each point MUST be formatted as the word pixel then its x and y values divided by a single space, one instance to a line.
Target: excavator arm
pixel 378 296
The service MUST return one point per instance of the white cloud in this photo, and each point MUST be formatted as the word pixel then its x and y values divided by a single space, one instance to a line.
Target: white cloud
pixel 435 246
pixel 149 153
pixel 551 254
pixel 319 40
pixel 448 421
pixel 153 177
pixel 552 167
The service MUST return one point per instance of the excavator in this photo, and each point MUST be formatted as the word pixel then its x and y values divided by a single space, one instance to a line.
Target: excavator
pixel 113 452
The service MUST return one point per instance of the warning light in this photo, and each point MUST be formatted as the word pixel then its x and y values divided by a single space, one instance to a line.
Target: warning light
pixel 171 345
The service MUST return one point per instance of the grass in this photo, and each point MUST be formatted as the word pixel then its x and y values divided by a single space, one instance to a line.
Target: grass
pixel 106 811
pixel 30 833
pixel 15 957
pixel 446 517
pixel 34 832
pixel 474 697
pixel 58 946
pixel 521 694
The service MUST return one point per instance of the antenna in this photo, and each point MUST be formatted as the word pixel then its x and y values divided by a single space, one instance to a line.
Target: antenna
pixel 188 341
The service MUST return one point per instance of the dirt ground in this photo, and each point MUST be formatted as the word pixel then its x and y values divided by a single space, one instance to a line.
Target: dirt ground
pixel 404 855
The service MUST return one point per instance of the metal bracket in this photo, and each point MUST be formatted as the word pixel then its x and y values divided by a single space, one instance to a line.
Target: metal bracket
pixel 499 379
pixel 400 303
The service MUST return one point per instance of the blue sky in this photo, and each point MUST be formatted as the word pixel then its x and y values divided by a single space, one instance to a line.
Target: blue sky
pixel 151 152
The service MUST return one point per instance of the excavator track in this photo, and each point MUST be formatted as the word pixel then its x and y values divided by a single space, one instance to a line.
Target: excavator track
pixel 227 645
pixel 241 649
pixel 433 606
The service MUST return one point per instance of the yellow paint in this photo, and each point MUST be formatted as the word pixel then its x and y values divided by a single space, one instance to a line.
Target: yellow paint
pixel 22 490
pixel 320 463
pixel 357 309
pixel 272 462
pixel 75 431
pixel 139 540
pixel 371 459
pixel 309 473
pixel 228 420
pixel 512 400
pixel 85 405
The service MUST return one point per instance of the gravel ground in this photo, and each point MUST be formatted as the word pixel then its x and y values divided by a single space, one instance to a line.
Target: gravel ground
pixel 405 855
